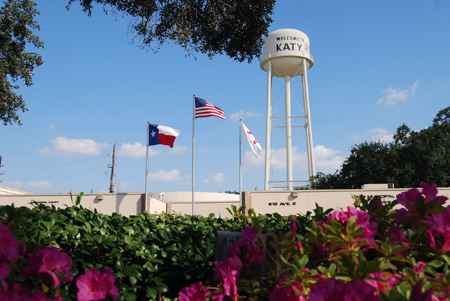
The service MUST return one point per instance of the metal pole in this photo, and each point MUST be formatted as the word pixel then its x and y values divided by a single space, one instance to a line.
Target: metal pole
pixel 146 165
pixel 268 125
pixel 310 148
pixel 240 162
pixel 287 91
pixel 193 153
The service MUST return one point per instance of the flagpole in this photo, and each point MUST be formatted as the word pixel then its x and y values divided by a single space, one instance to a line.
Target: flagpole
pixel 193 152
pixel 240 162
pixel 146 164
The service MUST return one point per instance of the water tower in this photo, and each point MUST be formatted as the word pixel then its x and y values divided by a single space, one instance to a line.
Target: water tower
pixel 286 55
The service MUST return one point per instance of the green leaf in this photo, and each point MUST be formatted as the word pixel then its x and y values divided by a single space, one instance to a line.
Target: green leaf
pixel 151 292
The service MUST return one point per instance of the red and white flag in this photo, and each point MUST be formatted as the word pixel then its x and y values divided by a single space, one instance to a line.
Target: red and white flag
pixel 160 134
pixel 254 144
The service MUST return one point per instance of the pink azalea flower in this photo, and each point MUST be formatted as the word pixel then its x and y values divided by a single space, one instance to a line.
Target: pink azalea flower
pixel 360 290
pixel 51 262
pixel 333 289
pixel 361 219
pixel 94 285
pixel 379 285
pixel 293 227
pixel 410 198
pixel 418 294
pixel 4 270
pixel 40 296
pixel 439 227
pixel 398 236
pixel 430 192
pixel 195 292
pixel 16 292
pixel 8 244
pixel 330 289
pixel 418 269
pixel 299 245
pixel 290 292
pixel 248 241
pixel 228 272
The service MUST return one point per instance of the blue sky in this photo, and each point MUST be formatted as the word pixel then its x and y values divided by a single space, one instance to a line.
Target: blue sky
pixel 378 64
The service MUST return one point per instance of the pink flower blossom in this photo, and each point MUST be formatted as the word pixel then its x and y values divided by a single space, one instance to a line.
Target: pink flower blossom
pixel 8 244
pixel 377 284
pixel 418 294
pixel 399 237
pixel 94 285
pixel 327 290
pixel 40 296
pixel 299 245
pixel 293 227
pixel 51 262
pixel 16 292
pixel 439 229
pixel 410 198
pixel 195 292
pixel 248 241
pixel 418 269
pixel 333 289
pixel 362 219
pixel 287 291
pixel 5 269
pixel 227 272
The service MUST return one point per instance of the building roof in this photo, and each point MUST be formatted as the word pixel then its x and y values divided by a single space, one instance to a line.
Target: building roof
pixel 10 191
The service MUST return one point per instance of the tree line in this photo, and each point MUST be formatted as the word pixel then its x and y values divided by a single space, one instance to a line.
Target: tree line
pixel 413 157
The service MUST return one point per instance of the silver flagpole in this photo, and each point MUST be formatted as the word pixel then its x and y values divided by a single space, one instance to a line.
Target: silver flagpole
pixel 146 165
pixel 240 163
pixel 193 154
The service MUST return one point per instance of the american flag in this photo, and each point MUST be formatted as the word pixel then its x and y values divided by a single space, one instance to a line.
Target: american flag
pixel 204 108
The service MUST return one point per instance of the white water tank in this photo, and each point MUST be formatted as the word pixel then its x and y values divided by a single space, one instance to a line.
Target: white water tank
pixel 286 49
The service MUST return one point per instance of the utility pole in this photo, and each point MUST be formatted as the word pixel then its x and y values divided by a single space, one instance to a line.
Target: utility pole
pixel 111 183
pixel 1 173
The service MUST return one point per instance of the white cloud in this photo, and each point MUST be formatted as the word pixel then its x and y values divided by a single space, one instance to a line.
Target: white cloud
pixel 34 186
pixel 243 114
pixel 166 176
pixel 326 159
pixel 66 147
pixel 381 135
pixel 215 179
pixel 136 150
pixel 178 149
pixel 378 134
pixel 394 96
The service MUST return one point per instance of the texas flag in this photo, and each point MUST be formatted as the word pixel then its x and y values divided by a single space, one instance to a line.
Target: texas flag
pixel 160 134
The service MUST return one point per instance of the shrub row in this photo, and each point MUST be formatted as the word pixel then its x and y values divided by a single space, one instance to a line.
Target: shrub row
pixel 151 255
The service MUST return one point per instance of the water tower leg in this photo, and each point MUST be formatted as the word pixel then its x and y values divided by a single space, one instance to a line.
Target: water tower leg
pixel 309 141
pixel 268 125
pixel 287 91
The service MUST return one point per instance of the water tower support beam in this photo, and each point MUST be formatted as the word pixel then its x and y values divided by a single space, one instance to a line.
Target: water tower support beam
pixel 268 125
pixel 287 91
pixel 309 141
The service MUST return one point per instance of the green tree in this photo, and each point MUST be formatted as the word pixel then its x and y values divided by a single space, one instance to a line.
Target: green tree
pixel 16 32
pixel 234 27
pixel 413 157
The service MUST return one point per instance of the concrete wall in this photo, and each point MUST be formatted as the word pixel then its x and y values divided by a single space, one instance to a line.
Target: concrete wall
pixel 205 202
pixel 107 203
pixel 282 202
pixel 300 201
pixel 131 203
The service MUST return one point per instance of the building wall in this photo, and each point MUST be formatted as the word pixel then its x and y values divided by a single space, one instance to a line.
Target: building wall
pixel 124 203
pixel 283 202
pixel 300 201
